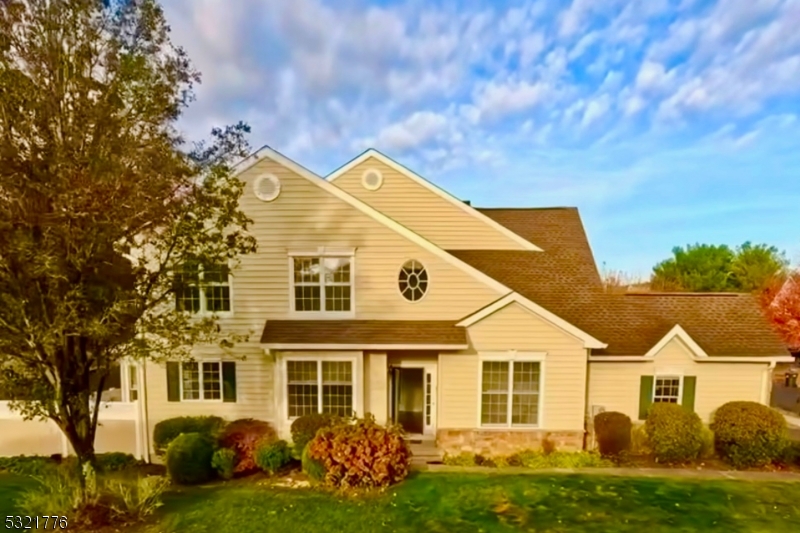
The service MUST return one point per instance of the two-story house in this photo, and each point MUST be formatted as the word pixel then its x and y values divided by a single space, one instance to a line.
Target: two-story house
pixel 374 291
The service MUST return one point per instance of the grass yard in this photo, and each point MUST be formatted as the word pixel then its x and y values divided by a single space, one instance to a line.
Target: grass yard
pixel 493 503
pixel 10 487
pixel 468 503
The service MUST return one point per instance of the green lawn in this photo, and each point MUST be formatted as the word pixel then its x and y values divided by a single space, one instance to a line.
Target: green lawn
pixel 10 488
pixel 463 503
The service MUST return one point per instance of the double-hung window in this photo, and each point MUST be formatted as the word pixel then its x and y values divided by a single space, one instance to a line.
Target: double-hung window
pixel 202 289
pixel 316 386
pixel 510 393
pixel 201 381
pixel 322 284
pixel 667 389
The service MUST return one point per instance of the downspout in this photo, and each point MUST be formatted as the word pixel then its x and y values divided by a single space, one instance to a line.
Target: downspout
pixel 586 406
pixel 766 385
pixel 145 411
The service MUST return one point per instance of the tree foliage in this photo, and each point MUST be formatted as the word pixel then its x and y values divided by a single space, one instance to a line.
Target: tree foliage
pixel 712 268
pixel 100 198
pixel 781 303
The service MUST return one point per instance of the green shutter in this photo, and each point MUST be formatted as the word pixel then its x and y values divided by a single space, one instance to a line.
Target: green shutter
pixel 689 386
pixel 228 381
pixel 173 382
pixel 645 396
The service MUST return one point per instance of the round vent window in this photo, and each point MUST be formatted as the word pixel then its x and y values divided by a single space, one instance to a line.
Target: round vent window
pixel 267 187
pixel 372 179
pixel 413 281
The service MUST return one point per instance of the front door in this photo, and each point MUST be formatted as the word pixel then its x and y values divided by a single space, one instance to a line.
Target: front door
pixel 410 399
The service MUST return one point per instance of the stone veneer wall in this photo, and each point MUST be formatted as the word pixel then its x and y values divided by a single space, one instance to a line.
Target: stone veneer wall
pixel 504 442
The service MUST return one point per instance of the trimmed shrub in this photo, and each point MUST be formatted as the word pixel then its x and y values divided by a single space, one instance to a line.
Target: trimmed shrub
pixel 362 454
pixel 613 432
pixel 640 443
pixel 748 434
pixel 305 428
pixel 460 459
pixel 244 436
pixel 273 456
pixel 314 469
pixel 707 450
pixel 537 459
pixel 189 459
pixel 224 462
pixel 116 461
pixel 167 430
pixel 675 434
pixel 791 454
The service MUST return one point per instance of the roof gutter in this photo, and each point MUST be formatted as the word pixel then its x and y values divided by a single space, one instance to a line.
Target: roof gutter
pixel 359 347
pixel 709 359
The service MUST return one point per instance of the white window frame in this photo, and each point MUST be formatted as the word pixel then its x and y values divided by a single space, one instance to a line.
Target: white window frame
pixel 203 305
pixel 282 380
pixel 200 383
pixel 321 254
pixel 513 356
pixel 679 377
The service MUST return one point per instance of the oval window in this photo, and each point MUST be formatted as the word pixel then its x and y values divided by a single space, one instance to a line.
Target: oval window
pixel 413 281
pixel 372 179
pixel 267 187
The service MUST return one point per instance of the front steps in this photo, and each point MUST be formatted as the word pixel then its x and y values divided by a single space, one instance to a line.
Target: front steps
pixel 423 453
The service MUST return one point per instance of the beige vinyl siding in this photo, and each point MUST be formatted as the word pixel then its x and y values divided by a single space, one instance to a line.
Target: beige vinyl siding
pixel 116 436
pixel 514 328
pixel 376 387
pixel 423 211
pixel 303 218
pixel 615 386
pixel 255 398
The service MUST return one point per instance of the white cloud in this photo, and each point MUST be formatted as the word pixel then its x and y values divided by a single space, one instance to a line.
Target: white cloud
pixel 595 110
pixel 412 132
pixel 530 47
pixel 653 77
pixel 498 99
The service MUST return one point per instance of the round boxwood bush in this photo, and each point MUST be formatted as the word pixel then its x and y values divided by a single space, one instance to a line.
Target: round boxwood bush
pixel 167 430
pixel 271 457
pixel 305 427
pixel 189 459
pixel 613 431
pixel 675 434
pixel 748 434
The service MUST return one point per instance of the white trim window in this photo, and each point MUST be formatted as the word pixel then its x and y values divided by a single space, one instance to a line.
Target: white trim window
pixel 667 389
pixel 320 386
pixel 510 393
pixel 204 290
pixel 322 284
pixel 201 381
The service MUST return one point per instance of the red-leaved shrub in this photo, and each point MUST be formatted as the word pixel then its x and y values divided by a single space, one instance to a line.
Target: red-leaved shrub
pixel 362 454
pixel 244 436
pixel 613 431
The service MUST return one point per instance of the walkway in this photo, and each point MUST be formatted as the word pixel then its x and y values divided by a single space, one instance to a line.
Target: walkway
pixel 794 424
pixel 629 472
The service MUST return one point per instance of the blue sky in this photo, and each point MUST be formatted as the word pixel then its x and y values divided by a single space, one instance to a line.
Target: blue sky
pixel 665 122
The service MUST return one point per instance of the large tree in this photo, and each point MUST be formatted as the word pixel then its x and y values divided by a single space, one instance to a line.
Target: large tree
pixel 781 302
pixel 711 268
pixel 100 199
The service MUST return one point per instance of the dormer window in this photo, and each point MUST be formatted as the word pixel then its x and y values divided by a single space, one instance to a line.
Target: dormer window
pixel 322 283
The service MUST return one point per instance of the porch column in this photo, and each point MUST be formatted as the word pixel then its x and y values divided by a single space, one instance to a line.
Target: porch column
pixel 376 391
